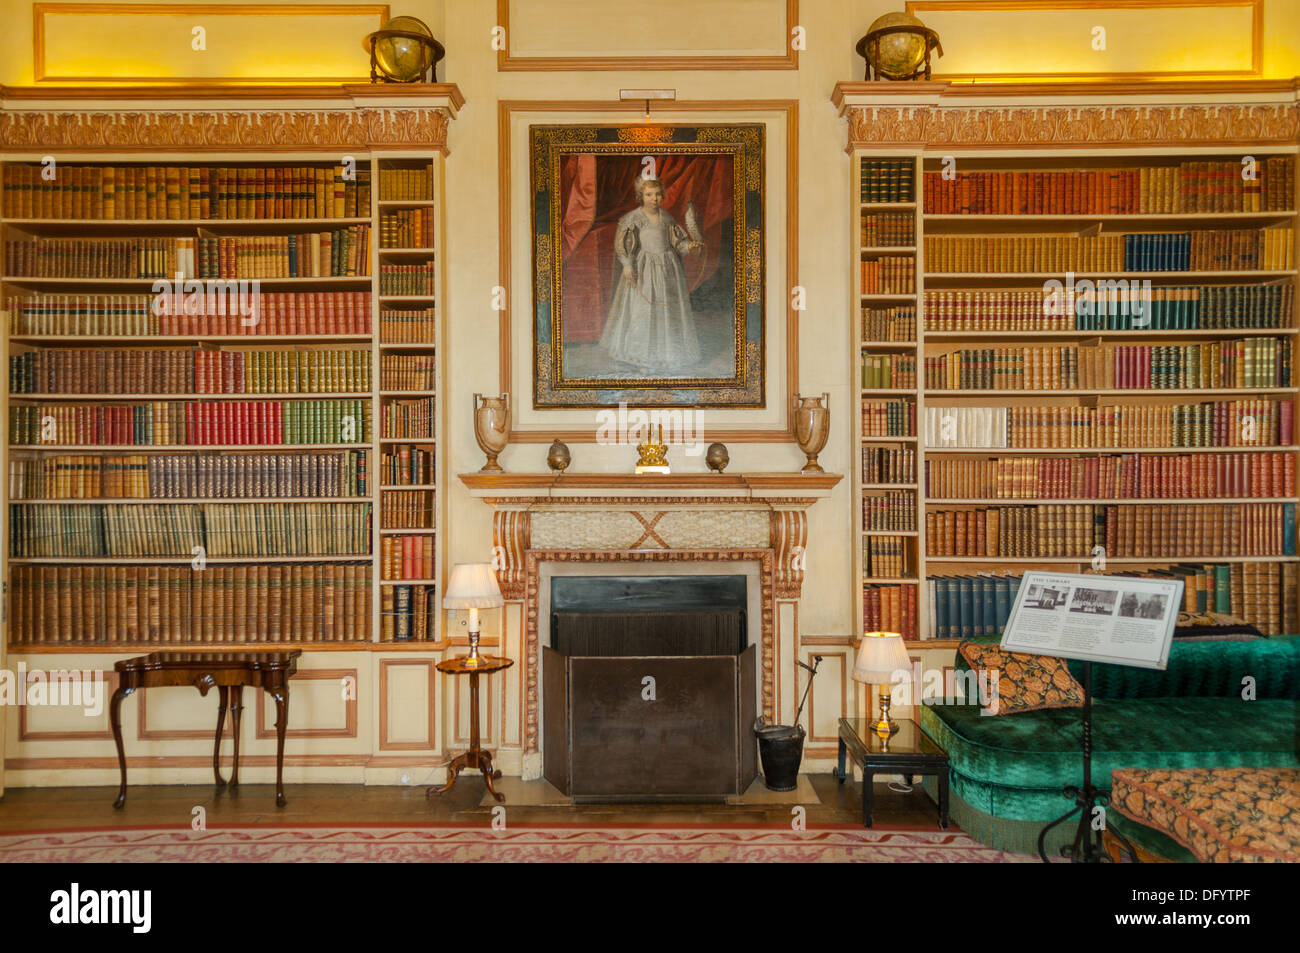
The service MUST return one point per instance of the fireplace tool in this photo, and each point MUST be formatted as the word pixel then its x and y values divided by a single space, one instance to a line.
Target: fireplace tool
pixel 780 747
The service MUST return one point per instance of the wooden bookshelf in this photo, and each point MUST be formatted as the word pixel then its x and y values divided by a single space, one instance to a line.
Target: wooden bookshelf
pixel 1145 218
pixel 375 631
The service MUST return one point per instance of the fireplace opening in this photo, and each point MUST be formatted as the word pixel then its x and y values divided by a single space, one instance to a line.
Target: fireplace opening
pixel 649 688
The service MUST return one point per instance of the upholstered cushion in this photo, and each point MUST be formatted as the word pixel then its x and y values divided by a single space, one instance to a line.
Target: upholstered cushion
pixel 1214 626
pixel 1017 767
pixel 1219 669
pixel 1225 815
pixel 1021 682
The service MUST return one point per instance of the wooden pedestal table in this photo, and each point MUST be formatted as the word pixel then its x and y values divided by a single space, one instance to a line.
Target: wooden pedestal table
pixel 475 757
pixel 228 672
pixel 908 752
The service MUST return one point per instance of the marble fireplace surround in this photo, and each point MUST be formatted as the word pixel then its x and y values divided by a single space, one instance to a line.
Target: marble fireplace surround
pixel 548 525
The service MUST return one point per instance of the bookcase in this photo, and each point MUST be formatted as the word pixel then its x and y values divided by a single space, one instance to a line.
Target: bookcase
pixel 1081 360
pixel 223 400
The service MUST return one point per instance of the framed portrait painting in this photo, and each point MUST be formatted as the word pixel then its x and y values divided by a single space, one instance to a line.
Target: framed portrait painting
pixel 648 265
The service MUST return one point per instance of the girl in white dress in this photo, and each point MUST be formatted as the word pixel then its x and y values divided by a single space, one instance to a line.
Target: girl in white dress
pixel 651 326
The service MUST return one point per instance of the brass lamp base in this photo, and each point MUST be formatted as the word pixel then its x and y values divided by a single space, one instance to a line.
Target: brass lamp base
pixel 884 725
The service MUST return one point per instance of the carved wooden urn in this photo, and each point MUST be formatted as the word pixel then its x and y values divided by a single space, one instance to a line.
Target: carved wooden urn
pixel 492 428
pixel 812 425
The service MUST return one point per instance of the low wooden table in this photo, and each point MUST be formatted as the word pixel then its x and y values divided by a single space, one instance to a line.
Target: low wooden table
pixel 228 672
pixel 909 751
pixel 475 757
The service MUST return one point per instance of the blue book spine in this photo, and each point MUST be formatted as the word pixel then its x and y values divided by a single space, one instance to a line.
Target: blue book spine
pixel 1288 529
pixel 954 609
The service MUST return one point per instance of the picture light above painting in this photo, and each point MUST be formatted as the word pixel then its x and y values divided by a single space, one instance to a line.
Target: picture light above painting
pixel 648 251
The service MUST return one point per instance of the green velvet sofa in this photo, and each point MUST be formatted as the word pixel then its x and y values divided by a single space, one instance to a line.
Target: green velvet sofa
pixel 1008 771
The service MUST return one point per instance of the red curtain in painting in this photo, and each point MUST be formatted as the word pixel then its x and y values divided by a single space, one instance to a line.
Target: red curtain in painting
pixel 595 195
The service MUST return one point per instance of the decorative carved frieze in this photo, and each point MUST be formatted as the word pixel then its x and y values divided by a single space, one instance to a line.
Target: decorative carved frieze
pixel 1057 126
pixel 224 130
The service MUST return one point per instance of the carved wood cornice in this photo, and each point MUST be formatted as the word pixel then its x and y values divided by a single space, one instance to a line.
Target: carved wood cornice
pixel 314 119
pixel 1066 126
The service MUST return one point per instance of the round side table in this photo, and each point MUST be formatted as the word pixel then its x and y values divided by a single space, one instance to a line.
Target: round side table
pixel 475 757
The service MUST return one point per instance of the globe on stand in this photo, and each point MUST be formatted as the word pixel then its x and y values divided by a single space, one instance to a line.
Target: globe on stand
pixel 403 50
pixel 898 46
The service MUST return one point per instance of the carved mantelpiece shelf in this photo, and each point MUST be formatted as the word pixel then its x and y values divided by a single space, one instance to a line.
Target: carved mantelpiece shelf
pixel 807 486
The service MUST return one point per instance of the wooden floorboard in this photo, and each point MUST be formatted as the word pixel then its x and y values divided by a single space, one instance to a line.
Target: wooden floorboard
pixel 343 804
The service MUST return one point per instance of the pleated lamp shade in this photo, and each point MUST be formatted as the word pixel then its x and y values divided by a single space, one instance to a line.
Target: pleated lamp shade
pixel 472 586
pixel 880 655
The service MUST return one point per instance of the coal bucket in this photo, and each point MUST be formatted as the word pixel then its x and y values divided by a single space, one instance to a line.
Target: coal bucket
pixel 780 749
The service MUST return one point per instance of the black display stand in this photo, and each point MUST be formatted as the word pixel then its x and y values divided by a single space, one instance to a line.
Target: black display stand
pixel 1087 848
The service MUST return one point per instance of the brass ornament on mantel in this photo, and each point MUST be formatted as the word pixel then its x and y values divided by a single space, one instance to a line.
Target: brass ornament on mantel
pixel 558 457
pixel 652 456
pixel 897 47
pixel 812 425
pixel 492 428
pixel 717 457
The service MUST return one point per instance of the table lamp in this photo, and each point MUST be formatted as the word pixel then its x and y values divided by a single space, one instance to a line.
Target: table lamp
pixel 880 655
pixel 473 586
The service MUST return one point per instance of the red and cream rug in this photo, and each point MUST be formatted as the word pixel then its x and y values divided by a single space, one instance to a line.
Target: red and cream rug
pixel 523 844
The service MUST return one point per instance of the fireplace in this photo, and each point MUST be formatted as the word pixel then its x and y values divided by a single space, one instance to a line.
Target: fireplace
pixel 649 687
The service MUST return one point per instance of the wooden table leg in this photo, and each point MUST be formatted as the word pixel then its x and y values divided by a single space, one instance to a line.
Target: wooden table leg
pixel 943 797
pixel 223 701
pixel 839 775
pixel 868 795
pixel 236 713
pixel 281 696
pixel 115 717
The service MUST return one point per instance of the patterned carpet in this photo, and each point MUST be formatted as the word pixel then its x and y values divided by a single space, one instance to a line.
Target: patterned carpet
pixel 523 844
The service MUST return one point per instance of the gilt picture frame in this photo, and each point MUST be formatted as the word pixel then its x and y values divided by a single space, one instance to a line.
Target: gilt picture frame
pixel 648 265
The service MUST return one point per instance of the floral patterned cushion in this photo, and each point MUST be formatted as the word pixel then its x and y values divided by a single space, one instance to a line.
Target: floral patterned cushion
pixel 1222 815
pixel 1023 682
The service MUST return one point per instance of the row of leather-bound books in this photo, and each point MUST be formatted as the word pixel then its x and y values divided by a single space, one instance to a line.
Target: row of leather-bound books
pixel 1127 476
pixel 888 465
pixel 338 253
pixel 893 510
pixel 196 422
pixel 413 418
pixel 1263 594
pixel 889 275
pixel 886 556
pixel 1246 362
pixel 171 192
pixel 406 557
pixel 888 371
pixel 1255 249
pixel 267 602
pixel 197 370
pixel 890 608
pixel 198 530
pixel 407 371
pixel 1216 185
pixel 213 311
pixel 406 228
pixel 406 466
pixel 889 324
pixel 888 418
pixel 1256 422
pixel 400 326
pixel 1113 306
pixel 888 229
pixel 188 476
pixel 411 185
pixel 408 509
pixel 1155 530
pixel 407 614
pixel 406 279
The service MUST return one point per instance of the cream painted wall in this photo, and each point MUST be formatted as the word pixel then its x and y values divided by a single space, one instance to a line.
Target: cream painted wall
pixel 827 364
